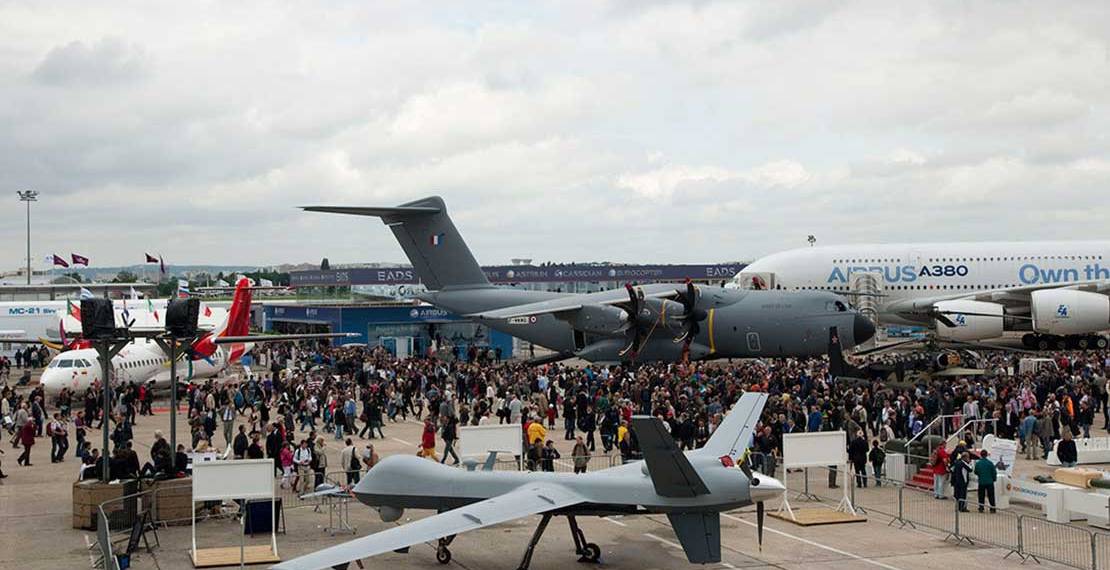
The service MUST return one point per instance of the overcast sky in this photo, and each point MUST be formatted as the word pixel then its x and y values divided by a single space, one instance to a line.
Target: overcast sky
pixel 624 130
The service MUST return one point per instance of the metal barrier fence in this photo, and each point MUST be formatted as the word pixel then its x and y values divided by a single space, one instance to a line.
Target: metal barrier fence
pixel 1027 536
pixel 1062 543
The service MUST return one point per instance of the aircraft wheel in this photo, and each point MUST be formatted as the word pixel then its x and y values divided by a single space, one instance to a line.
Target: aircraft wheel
pixel 1061 344
pixel 1042 343
pixel 591 552
pixel 1101 342
pixel 443 555
pixel 1083 343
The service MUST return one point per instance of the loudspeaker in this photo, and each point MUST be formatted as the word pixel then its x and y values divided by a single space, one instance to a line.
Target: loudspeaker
pixel 98 320
pixel 182 316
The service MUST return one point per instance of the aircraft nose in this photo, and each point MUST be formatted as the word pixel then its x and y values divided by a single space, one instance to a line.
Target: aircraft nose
pixel 765 487
pixel 862 329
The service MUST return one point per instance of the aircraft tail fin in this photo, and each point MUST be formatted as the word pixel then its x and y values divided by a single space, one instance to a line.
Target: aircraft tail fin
pixel 430 240
pixel 734 435
pixel 838 367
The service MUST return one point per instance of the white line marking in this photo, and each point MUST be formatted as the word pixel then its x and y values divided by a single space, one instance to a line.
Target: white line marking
pixel 812 543
pixel 614 521
pixel 727 565
pixel 663 540
pixel 399 440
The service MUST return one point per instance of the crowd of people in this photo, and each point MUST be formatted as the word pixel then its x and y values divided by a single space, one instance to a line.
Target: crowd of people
pixel 298 398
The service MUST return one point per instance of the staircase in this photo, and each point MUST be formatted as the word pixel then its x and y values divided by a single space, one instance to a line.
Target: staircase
pixel 923 479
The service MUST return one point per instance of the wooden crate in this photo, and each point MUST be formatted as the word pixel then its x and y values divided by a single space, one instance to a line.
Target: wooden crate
pixel 174 502
pixel 88 495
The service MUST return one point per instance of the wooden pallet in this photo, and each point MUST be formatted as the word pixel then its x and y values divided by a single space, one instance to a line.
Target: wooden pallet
pixel 818 516
pixel 229 556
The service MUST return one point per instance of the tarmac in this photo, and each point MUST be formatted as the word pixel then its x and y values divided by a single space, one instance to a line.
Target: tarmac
pixel 36 530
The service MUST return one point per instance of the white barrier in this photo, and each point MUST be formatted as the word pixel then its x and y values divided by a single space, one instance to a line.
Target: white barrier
pixel 1088 450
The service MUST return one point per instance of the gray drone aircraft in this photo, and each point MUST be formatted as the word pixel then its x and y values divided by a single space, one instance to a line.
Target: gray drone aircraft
pixel 692 488
pixel 651 322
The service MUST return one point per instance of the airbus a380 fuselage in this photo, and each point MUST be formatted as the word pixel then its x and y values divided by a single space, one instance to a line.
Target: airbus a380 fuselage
pixel 1055 289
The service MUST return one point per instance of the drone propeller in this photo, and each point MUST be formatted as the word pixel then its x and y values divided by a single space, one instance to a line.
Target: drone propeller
pixel 759 514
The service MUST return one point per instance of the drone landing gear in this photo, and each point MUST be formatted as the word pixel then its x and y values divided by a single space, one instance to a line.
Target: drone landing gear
pixel 527 560
pixel 443 554
pixel 586 551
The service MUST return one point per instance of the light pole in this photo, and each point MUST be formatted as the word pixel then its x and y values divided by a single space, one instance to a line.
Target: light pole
pixel 28 196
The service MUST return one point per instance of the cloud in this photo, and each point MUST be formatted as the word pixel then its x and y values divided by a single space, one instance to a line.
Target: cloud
pixel 655 131
pixel 103 62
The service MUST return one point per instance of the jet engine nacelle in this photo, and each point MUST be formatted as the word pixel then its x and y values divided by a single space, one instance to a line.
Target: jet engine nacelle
pixel 975 320
pixel 598 319
pixel 390 514
pixel 1068 311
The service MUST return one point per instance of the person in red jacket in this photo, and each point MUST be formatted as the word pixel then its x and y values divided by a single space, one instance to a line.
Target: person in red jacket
pixel 27 439
pixel 940 471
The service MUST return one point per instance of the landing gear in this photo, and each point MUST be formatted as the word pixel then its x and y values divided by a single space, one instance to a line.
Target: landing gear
pixel 586 551
pixel 527 560
pixel 443 554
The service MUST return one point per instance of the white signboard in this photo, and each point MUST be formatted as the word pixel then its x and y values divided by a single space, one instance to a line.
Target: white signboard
pixel 1003 453
pixel 814 449
pixel 478 441
pixel 233 479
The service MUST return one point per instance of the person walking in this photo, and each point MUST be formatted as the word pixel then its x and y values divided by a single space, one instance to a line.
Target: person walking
pixel 987 474
pixel 857 454
pixel 877 457
pixel 450 434
pixel 27 439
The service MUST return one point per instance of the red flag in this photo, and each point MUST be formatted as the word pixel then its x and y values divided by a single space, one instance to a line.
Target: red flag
pixel 151 259
pixel 79 259
pixel 59 261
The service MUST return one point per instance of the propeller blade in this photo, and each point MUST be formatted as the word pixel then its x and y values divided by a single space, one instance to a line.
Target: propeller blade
pixel 759 514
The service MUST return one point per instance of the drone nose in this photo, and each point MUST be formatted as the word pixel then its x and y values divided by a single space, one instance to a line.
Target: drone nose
pixel 767 488
pixel 862 329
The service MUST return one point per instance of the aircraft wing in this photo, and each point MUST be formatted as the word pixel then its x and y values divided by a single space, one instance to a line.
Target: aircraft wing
pixel 1009 296
pixel 526 500
pixel 575 302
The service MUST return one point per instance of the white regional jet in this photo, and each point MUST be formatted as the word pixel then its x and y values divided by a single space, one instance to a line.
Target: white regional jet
pixel 143 360
pixel 1055 292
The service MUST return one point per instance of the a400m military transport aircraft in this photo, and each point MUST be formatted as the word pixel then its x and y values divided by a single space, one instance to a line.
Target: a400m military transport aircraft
pixel 692 488
pixel 643 323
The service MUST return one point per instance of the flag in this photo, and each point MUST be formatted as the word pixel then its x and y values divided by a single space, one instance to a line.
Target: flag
pixel 79 259
pixel 150 307
pixel 182 288
pixel 437 239
pixel 151 259
pixel 59 261
pixel 73 310
pixel 86 294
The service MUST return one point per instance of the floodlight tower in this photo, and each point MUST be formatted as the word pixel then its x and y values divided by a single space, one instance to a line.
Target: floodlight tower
pixel 28 196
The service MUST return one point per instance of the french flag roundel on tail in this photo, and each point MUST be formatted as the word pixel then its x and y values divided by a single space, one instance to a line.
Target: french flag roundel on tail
pixel 237 323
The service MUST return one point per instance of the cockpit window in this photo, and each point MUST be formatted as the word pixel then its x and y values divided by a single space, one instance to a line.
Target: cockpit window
pixel 65 364
pixel 54 364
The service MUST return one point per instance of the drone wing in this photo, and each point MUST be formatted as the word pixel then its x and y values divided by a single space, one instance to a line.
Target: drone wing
pixel 526 500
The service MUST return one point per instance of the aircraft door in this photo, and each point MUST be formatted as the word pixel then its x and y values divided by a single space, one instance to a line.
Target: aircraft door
pixel 753 342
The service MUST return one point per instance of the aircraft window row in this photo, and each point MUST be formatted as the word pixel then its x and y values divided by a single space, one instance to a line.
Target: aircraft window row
pixel 916 287
pixel 1017 258
pixel 885 260
pixel 144 362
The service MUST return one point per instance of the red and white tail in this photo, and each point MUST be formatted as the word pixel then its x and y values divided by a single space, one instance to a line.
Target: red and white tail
pixel 236 323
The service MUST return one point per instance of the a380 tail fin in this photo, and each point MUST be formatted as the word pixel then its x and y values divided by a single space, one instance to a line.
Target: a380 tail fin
pixel 430 240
